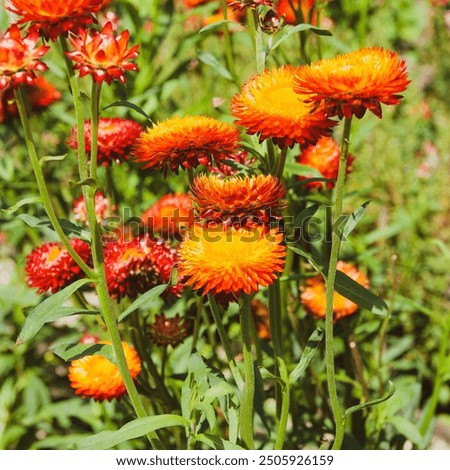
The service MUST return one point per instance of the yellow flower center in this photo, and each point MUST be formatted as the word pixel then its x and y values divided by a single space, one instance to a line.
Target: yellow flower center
pixel 281 100
pixel 132 253
pixel 53 253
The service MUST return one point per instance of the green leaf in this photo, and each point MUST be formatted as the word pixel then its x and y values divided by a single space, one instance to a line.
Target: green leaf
pixel 308 353
pixel 407 429
pixel 314 263
pixel 146 300
pixel 56 158
pixel 69 228
pixel 287 32
pixel 23 202
pixel 210 60
pixel 72 351
pixel 32 221
pixel 91 182
pixel 298 169
pixel 353 220
pixel 46 310
pixel 299 184
pixel 305 214
pixel 137 428
pixel 377 401
pixel 216 442
pixel 214 26
pixel 357 293
pixel 128 104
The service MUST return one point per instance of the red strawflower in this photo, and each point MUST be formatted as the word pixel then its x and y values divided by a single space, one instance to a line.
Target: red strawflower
pixel 166 331
pixel 103 55
pixel 288 9
pixel 224 169
pixel 116 137
pixel 40 94
pixel 19 57
pixel 51 268
pixel 55 17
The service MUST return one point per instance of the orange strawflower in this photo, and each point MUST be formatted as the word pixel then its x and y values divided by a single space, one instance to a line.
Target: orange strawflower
pixel 55 17
pixel 238 201
pixel 260 314
pixel 40 95
pixel 348 84
pixel 313 295
pixel 185 142
pixel 20 57
pixel 116 137
pixel 268 106
pixel 50 268
pixel 195 3
pixel 231 260
pixel 305 7
pixel 103 55
pixel 97 377
pixel 323 156
pixel 169 215
pixel 166 331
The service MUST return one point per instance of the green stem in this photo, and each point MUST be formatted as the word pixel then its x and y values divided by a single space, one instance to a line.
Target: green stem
pixel 275 334
pixel 95 101
pixel 248 392
pixel 330 281
pixel 281 163
pixel 42 186
pixel 260 54
pixel 228 44
pixel 190 173
pixel 224 339
pixel 286 401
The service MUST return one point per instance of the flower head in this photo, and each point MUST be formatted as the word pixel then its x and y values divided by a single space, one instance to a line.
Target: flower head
pixel 166 331
pixel 288 9
pixel 40 94
pixel 185 142
pixel 103 55
pixel 97 377
pixel 116 137
pixel 20 57
pixel 268 106
pixel 102 208
pixel 224 168
pixel 313 295
pixel 323 156
pixel 238 201
pixel 137 265
pixel 50 268
pixel 232 260
pixel 169 215
pixel 55 17
pixel 348 84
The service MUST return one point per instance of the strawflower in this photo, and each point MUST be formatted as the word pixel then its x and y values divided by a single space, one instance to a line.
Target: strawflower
pixel 269 107
pixel 260 314
pixel 231 261
pixel 349 84
pixel 98 378
pixel 102 208
pixel 55 17
pixel 50 268
pixel 313 294
pixel 169 215
pixel 238 201
pixel 40 94
pixel 166 331
pixel 20 57
pixel 116 137
pixel 103 55
pixel 185 142
pixel 323 156
pixel 288 8
pixel 226 167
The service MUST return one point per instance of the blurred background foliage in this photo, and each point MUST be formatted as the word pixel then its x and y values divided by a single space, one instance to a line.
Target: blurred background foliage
pixel 401 165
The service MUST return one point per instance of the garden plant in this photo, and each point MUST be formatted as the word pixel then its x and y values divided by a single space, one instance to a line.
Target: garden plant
pixel 223 224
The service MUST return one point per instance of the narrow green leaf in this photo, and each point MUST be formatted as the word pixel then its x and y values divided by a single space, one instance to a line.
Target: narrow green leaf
pixel 218 390
pixel 46 310
pixel 69 228
pixel 146 300
pixel 72 351
pixel 23 202
pixel 32 221
pixel 307 354
pixel 353 220
pixel 216 442
pixel 407 429
pixel 287 32
pixel 357 293
pixel 91 182
pixel 214 26
pixel 314 263
pixel 305 214
pixel 64 311
pixel 210 60
pixel 301 183
pixel 128 104
pixel 298 169
pixel 56 158
pixel 377 401
pixel 132 430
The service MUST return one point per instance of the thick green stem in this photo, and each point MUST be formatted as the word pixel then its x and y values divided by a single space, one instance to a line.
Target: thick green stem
pixel 224 339
pixel 330 281
pixel 95 101
pixel 248 392
pixel 260 54
pixel 228 44
pixel 286 401
pixel 281 162
pixel 42 186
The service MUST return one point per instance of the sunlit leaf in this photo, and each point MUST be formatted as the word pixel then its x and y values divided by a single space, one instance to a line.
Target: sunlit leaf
pixel 307 355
